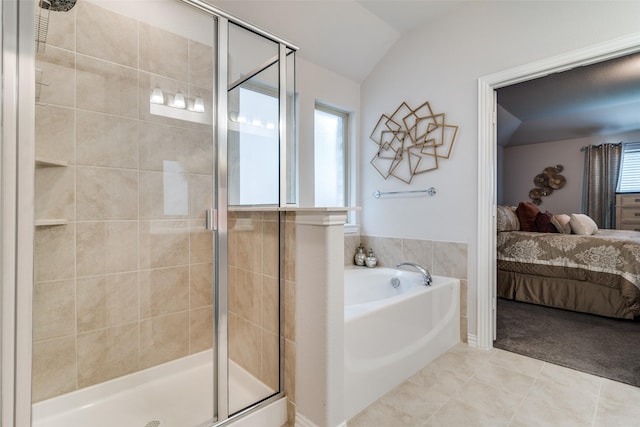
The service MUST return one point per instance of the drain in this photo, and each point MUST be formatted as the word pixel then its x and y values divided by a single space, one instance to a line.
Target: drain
pixel 153 424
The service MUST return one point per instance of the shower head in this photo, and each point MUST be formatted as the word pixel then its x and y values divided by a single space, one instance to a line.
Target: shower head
pixel 57 5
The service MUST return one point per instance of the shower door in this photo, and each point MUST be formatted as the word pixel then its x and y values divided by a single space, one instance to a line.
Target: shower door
pixel 123 307
pixel 253 196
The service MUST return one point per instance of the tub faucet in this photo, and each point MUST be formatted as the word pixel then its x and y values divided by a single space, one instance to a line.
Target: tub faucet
pixel 426 277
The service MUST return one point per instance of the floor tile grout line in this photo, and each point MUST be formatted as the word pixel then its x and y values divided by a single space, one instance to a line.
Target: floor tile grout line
pixel 598 399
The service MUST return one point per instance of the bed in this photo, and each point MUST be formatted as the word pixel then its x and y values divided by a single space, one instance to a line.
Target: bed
pixel 595 273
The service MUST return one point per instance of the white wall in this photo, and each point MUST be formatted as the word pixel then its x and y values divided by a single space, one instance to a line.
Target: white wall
pixel 441 62
pixel 523 162
pixel 314 83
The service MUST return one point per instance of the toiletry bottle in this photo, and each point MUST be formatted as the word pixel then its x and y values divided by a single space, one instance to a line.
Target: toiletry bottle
pixel 371 260
pixel 359 258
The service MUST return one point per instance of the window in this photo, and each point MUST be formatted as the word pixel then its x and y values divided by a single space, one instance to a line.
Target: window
pixel 629 179
pixel 331 156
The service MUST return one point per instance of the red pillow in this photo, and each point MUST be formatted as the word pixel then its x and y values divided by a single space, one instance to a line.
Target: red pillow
pixel 527 213
pixel 543 222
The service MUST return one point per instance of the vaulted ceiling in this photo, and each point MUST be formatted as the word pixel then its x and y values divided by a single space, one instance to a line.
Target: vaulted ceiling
pixel 595 100
pixel 348 37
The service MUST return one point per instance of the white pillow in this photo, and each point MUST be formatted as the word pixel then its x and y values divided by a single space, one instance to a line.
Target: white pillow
pixel 583 224
pixel 561 222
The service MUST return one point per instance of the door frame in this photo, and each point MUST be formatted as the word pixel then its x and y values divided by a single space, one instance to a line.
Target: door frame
pixel 487 162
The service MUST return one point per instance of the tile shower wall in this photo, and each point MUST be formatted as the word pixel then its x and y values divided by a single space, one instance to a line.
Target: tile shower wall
pixel 255 277
pixel 440 258
pixel 124 282
pixel 254 289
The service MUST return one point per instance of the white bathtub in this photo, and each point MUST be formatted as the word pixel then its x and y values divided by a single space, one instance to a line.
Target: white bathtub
pixel 391 333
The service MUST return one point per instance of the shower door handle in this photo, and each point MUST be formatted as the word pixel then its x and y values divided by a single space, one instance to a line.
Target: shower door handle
pixel 211 219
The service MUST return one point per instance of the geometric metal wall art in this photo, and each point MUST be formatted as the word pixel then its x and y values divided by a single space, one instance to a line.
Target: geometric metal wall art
pixel 411 142
pixel 545 182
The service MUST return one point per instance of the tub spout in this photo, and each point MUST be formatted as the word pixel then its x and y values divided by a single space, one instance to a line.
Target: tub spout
pixel 426 277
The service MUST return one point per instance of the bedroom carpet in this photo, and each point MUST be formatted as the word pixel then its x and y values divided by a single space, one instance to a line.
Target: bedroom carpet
pixel 597 345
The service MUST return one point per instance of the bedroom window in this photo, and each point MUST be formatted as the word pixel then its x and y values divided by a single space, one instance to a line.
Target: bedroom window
pixel 629 179
pixel 331 136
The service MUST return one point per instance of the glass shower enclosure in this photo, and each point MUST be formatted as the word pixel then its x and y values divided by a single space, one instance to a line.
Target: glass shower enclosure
pixel 163 154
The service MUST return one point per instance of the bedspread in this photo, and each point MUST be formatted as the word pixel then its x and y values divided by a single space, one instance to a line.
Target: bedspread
pixel 608 251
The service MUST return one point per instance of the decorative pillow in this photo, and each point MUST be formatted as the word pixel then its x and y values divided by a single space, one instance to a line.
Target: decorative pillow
pixel 561 223
pixel 526 213
pixel 543 222
pixel 507 219
pixel 583 224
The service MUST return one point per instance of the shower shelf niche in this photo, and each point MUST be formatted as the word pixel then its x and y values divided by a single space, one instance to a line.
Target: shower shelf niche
pixel 44 162
pixel 50 222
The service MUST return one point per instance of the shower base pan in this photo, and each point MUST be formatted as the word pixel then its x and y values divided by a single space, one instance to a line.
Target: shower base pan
pixel 174 394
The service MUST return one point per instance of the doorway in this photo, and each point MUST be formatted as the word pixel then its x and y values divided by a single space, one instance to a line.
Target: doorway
pixel 487 164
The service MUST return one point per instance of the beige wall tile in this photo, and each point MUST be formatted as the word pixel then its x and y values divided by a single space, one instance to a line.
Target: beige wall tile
pixel 55 133
pixel 58 76
pixel 164 291
pixel 54 256
pixel 290 310
pixel 290 250
pixel 464 288
pixel 271 248
pixel 106 87
pixel 270 304
pixel 450 259
pixel 103 193
pixel 121 246
pixel 54 368
pixel 249 241
pixel 201 285
pixel 270 370
pixel 200 243
pixel 107 353
pixel 351 243
pixel 418 251
pixel 163 53
pixel 106 35
pixel 290 369
pixel 201 330
pixel 249 296
pixel 62 30
pixel 200 64
pixel 105 140
pixel 198 150
pixel 54 308
pixel 200 195
pixel 106 247
pixel 90 248
pixel 232 289
pixel 157 148
pixel 388 250
pixel 232 240
pixel 55 187
pixel 247 344
pixel 92 303
pixel 164 243
pixel 163 195
pixel 163 339
pixel 107 300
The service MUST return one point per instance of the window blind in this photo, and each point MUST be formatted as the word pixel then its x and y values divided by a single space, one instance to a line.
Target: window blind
pixel 629 179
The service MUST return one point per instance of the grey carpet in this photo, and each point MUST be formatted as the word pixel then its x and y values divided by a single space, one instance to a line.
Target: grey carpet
pixel 597 345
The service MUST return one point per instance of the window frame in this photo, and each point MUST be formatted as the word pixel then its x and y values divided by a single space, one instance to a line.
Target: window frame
pixel 629 148
pixel 346 142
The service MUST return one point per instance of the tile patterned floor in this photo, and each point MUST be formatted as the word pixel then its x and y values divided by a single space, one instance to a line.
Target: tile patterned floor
pixel 471 387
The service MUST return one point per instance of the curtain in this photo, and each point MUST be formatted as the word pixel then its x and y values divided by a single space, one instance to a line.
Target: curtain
pixel 601 168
